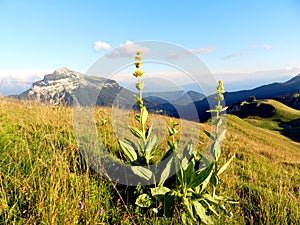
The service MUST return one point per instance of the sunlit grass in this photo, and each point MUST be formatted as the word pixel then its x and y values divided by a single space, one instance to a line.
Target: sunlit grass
pixel 43 176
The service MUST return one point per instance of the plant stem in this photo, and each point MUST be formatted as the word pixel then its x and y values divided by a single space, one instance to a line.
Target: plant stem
pixel 141 92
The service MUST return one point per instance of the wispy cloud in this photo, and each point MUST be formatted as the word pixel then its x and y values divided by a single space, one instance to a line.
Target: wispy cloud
pixel 98 45
pixel 184 54
pixel 201 51
pixel 246 52
pixel 262 46
pixel 128 49
pixel 237 80
pixel 15 81
pixel 233 55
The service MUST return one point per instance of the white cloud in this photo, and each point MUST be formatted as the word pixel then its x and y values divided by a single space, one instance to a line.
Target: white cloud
pixel 184 54
pixel 98 45
pixel 201 51
pixel 233 55
pixel 263 46
pixel 128 49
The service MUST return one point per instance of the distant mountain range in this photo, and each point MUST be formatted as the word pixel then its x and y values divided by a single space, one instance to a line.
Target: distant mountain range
pixel 269 91
pixel 67 87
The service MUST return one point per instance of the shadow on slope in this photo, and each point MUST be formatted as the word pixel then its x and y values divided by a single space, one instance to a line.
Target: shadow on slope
pixel 272 115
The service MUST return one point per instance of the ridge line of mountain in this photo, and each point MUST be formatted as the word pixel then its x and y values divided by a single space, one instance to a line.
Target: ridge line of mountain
pixel 61 86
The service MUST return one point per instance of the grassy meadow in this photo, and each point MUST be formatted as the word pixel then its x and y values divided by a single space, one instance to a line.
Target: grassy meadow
pixel 44 179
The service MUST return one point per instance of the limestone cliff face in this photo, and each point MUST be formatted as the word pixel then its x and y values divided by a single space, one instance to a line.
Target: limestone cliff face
pixel 63 86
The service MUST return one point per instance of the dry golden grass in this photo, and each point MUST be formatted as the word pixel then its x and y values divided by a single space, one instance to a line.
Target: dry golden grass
pixel 43 176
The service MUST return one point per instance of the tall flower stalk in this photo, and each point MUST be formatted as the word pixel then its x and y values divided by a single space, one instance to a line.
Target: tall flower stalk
pixel 217 137
pixel 140 85
pixel 191 193
pixel 146 144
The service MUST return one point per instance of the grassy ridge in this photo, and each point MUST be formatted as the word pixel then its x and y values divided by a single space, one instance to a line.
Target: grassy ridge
pixel 43 177
pixel 285 120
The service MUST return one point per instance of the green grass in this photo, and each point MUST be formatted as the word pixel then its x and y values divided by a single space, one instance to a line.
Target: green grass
pixel 286 120
pixel 43 176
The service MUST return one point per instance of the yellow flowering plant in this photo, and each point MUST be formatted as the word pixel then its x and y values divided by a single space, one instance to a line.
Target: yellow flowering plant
pixel 191 194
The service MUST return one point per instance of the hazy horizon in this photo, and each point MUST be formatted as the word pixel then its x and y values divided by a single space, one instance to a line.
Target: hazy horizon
pixel 13 86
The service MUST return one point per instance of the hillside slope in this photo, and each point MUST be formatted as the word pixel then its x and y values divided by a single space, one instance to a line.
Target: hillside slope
pixel 292 100
pixel 43 177
pixel 272 115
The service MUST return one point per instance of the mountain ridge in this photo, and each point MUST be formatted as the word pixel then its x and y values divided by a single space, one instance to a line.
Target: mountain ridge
pixel 64 84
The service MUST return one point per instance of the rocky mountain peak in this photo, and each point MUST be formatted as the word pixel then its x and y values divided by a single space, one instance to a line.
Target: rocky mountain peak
pixel 64 84
pixel 55 87
pixel 66 71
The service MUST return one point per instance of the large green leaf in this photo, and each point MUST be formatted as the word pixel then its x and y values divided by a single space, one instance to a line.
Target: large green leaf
pixel 179 169
pixel 166 172
pixel 212 110
pixel 225 199
pixel 189 172
pixel 201 212
pixel 138 100
pixel 144 115
pixel 159 191
pixel 216 150
pixel 188 151
pixel 204 162
pixel 217 122
pixel 202 176
pixel 214 180
pixel 148 131
pixel 221 136
pixel 208 134
pixel 136 132
pixel 188 205
pixel 224 109
pixel 224 167
pixel 128 151
pixel 211 208
pixel 210 198
pixel 168 153
pixel 150 147
pixel 142 172
pixel 137 118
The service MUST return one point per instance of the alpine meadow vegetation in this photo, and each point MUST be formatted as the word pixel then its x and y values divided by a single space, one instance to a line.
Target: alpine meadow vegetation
pixel 242 173
pixel 192 193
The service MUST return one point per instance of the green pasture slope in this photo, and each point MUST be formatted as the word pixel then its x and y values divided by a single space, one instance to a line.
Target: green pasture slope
pixel 44 180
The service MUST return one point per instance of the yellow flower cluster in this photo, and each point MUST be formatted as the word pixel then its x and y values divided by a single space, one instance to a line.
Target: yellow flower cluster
pixel 220 97
pixel 138 65
pixel 221 87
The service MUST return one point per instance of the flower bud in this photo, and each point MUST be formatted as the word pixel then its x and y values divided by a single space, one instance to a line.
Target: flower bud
pixel 220 88
pixel 138 73
pixel 140 85
pixel 138 64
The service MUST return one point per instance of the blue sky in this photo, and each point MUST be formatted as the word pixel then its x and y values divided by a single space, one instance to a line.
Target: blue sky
pixel 245 43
